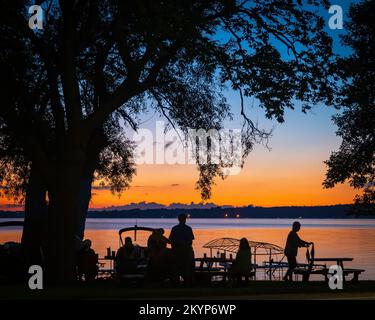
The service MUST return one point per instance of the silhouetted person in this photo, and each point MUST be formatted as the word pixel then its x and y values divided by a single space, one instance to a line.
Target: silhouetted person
pixel 242 265
pixel 127 257
pixel 159 256
pixel 181 238
pixel 128 248
pixel 293 242
pixel 12 263
pixel 87 261
pixel 157 240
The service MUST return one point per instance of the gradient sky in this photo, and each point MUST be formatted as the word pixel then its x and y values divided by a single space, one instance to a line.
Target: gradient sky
pixel 290 174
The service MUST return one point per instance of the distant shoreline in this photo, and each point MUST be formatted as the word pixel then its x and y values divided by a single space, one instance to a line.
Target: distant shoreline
pixel 292 212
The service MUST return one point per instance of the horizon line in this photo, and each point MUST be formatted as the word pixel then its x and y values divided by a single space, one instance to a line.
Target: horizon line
pixel 20 208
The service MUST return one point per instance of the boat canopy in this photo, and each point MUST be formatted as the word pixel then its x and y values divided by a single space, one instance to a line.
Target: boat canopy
pixel 232 245
pixel 135 229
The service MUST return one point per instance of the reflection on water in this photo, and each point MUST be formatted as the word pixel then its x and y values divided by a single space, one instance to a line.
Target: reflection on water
pixel 332 238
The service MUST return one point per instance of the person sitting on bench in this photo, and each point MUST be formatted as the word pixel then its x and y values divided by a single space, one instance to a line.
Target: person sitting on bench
pixel 293 242
pixel 242 265
pixel 87 262
pixel 127 258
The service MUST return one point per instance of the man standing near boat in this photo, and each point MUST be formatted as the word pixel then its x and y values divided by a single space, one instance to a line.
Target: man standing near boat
pixel 181 238
pixel 291 249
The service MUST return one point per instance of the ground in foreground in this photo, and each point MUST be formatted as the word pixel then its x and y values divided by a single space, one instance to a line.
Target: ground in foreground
pixel 255 290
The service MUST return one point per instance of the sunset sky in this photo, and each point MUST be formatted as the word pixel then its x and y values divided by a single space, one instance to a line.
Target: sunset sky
pixel 291 173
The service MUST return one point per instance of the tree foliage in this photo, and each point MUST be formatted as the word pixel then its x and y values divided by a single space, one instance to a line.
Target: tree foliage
pixel 99 64
pixel 355 159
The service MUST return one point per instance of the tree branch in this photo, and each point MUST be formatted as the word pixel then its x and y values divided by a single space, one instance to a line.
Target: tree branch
pixel 67 66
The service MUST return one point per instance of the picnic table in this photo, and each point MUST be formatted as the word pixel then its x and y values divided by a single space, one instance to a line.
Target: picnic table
pixel 210 267
pixel 210 262
pixel 340 262
pixel 318 266
pixel 103 271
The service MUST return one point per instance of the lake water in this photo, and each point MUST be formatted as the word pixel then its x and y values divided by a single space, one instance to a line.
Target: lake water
pixel 332 237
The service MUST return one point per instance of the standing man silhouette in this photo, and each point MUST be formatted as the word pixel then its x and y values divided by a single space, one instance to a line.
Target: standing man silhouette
pixel 293 242
pixel 181 238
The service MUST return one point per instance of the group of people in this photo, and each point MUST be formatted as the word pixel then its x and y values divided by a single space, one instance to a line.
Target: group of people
pixel 173 263
pixel 160 261
pixel 178 261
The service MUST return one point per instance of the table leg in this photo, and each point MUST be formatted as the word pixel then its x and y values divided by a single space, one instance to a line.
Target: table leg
pixel 341 265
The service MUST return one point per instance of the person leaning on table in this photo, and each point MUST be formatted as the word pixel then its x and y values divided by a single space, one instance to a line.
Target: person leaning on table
pixel 293 242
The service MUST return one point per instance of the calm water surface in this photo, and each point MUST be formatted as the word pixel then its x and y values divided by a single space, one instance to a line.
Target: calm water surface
pixel 332 238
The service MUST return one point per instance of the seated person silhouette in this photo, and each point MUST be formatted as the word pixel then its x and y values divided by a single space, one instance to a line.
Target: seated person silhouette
pixel 242 265
pixel 12 263
pixel 127 257
pixel 159 263
pixel 87 261
pixel 293 242
pixel 157 240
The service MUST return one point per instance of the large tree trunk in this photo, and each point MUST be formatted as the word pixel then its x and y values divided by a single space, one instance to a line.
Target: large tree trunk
pixel 35 217
pixel 63 210
pixel 83 204
pixel 69 196
pixel 33 236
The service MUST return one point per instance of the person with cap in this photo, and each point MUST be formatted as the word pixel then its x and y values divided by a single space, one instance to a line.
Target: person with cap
pixel 293 242
pixel 181 238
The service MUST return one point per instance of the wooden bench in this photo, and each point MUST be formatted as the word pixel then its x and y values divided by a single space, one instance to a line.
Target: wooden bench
pixel 132 279
pixel 306 272
pixel 238 276
pixel 313 268
pixel 346 272
pixel 205 276
pixel 355 272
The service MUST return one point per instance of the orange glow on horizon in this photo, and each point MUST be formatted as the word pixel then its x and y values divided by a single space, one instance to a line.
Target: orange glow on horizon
pixel 268 179
pixel 176 184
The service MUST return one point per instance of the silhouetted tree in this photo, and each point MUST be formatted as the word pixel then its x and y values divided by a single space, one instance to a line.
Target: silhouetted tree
pixel 97 64
pixel 355 159
pixel 23 184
